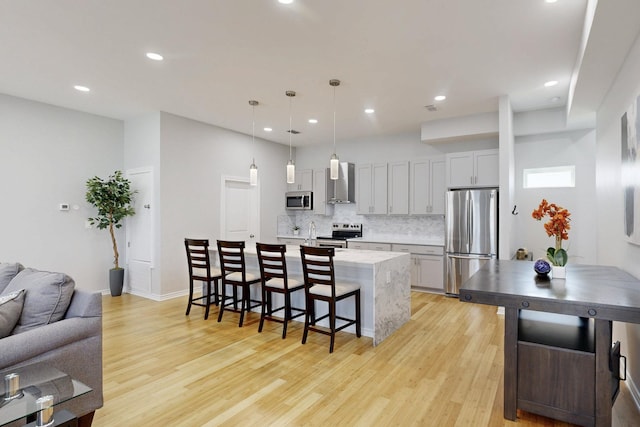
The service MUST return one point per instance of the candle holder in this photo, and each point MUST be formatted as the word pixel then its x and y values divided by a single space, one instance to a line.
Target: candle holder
pixel 12 387
pixel 45 411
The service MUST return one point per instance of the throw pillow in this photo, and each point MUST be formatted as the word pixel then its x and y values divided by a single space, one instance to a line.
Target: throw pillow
pixel 8 271
pixel 10 309
pixel 47 297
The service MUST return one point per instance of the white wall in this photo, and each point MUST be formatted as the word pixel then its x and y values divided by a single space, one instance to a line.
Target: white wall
pixel 46 155
pixel 612 247
pixel 558 149
pixel 507 222
pixel 194 157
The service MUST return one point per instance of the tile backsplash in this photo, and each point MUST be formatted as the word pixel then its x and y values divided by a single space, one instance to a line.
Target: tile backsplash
pixel 373 226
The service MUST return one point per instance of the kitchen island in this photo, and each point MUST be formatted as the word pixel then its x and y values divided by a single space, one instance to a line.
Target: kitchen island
pixel 384 279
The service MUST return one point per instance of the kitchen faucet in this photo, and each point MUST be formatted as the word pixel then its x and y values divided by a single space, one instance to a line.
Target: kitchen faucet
pixel 312 234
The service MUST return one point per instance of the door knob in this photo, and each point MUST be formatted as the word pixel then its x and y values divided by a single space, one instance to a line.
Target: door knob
pixel 147 206
pixel 251 236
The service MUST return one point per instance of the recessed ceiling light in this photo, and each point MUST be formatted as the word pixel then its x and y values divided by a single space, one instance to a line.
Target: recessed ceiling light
pixel 551 83
pixel 81 88
pixel 268 129
pixel 369 111
pixel 155 56
pixel 285 1
pixel 555 99
pixel 313 121
pixel 440 98
pixel 550 1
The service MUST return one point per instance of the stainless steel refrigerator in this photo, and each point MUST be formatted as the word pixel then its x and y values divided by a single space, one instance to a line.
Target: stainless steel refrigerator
pixel 471 233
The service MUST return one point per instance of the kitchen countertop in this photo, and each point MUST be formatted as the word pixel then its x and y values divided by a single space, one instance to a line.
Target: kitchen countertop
pixel 404 240
pixel 342 256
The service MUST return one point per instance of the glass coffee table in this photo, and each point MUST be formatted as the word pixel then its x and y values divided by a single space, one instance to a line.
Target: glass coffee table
pixel 26 390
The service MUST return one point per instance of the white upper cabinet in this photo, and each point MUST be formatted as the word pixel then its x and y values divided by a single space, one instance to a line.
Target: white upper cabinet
pixel 398 188
pixel 303 181
pixel 427 186
pixel 371 188
pixel 473 169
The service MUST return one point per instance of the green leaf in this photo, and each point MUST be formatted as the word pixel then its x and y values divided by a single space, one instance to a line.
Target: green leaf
pixel 550 255
pixel 560 257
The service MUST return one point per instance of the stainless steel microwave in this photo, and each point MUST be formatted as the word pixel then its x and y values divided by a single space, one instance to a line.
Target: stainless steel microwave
pixel 300 200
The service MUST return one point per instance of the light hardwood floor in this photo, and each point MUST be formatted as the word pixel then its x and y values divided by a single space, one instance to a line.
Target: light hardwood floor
pixel 443 368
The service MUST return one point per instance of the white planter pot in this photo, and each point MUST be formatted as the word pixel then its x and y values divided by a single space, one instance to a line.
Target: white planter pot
pixel 296 232
pixel 558 272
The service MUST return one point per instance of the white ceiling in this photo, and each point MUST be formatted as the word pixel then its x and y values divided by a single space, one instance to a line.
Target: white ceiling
pixel 394 56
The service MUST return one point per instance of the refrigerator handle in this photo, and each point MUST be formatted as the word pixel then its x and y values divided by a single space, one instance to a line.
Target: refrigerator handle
pixel 470 224
pixel 468 220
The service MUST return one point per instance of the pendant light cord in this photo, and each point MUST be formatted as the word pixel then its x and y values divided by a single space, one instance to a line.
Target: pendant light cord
pixel 253 133
pixel 334 120
pixel 290 121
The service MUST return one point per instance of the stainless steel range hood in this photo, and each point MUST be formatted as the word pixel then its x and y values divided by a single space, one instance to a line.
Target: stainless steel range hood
pixel 343 189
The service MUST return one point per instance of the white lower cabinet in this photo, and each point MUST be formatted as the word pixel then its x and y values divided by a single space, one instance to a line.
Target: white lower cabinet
pixel 427 272
pixel 427 266
pixel 291 240
pixel 369 246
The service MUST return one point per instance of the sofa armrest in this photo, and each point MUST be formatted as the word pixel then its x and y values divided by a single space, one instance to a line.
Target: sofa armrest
pixel 19 348
pixel 84 304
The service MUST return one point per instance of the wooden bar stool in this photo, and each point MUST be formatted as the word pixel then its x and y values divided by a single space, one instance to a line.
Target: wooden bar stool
pixel 273 274
pixel 320 285
pixel 200 269
pixel 234 274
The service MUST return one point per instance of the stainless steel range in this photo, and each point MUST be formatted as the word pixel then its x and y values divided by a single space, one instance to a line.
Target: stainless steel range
pixel 340 232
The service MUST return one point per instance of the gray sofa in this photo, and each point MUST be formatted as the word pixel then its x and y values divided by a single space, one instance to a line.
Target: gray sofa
pixel 72 344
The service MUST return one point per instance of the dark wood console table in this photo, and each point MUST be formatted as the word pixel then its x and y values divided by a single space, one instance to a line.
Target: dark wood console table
pixel 578 365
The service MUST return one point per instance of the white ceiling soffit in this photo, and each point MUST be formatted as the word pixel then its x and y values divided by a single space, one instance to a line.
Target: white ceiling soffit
pixel 615 27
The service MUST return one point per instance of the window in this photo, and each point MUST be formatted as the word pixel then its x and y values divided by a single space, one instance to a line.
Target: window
pixel 554 177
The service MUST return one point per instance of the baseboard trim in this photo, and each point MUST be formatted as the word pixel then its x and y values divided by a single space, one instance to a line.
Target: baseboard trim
pixel 635 393
pixel 153 297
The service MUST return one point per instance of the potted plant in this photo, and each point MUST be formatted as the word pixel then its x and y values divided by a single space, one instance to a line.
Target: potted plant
pixel 112 197
pixel 557 226
pixel 296 230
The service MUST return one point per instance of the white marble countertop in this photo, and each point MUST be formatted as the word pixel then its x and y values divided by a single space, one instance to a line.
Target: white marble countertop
pixel 405 240
pixel 291 236
pixel 344 256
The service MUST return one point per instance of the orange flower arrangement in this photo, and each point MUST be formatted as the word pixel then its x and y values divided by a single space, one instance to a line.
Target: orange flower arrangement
pixel 557 226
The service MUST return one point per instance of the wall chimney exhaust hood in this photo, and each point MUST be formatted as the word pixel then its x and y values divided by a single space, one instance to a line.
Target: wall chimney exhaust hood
pixel 342 190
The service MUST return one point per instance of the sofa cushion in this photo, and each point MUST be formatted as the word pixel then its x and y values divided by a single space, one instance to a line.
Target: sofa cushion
pixel 47 297
pixel 10 309
pixel 8 271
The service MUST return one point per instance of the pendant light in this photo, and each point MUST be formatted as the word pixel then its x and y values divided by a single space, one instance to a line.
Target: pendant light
pixel 253 169
pixel 291 167
pixel 335 161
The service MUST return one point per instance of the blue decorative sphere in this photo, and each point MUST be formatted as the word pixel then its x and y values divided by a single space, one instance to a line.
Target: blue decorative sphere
pixel 542 267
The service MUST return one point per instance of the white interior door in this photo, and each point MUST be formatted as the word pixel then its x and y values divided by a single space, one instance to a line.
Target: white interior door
pixel 240 215
pixel 140 232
